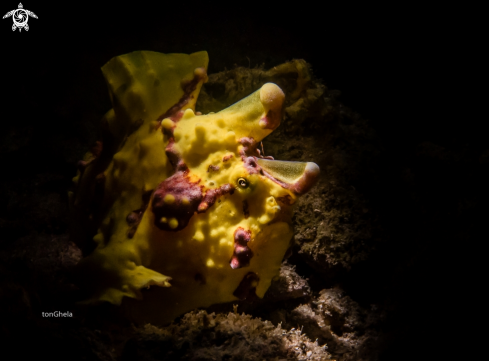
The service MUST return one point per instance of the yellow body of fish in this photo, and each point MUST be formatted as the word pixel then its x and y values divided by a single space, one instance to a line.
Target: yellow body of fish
pixel 182 202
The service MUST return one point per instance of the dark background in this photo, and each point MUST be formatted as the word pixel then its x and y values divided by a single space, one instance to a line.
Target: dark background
pixel 402 67
pixel 397 65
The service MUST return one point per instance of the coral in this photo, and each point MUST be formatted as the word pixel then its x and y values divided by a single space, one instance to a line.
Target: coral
pixel 335 319
pixel 203 336
pixel 180 200
pixel 288 285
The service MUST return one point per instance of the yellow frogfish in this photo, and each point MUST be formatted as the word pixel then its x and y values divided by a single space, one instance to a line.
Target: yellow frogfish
pixel 183 208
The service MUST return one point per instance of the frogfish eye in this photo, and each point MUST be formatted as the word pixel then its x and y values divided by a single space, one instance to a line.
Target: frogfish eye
pixel 242 183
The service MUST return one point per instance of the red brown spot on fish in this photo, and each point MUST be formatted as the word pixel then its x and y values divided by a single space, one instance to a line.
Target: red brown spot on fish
pixel 174 157
pixel 287 200
pixel 271 120
pixel 212 168
pixel 188 88
pixel 242 253
pixel 211 196
pixel 175 201
pixel 227 157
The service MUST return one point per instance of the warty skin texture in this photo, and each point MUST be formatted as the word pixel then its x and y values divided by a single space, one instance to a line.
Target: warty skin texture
pixel 185 210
